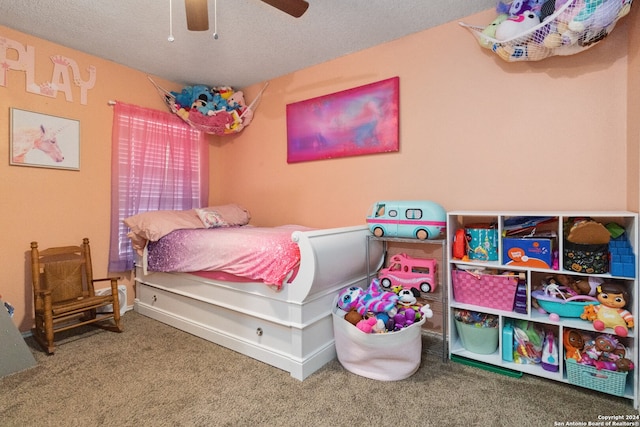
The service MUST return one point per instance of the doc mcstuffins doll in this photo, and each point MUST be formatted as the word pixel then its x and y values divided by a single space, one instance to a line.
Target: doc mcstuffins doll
pixel 611 312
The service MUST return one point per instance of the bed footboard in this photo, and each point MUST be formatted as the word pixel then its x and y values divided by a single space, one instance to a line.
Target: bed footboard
pixel 332 258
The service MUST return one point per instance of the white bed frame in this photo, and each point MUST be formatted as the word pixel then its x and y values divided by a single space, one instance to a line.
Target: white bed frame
pixel 290 329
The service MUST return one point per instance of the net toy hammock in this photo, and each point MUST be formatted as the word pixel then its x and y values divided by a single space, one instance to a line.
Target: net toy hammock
pixel 536 29
pixel 216 110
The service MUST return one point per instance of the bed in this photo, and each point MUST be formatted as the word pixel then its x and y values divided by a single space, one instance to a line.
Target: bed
pixel 287 325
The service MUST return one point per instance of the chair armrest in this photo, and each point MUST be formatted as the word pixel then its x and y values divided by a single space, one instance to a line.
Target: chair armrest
pixel 107 278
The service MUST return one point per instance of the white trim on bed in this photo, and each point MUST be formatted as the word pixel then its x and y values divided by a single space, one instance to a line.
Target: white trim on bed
pixel 290 329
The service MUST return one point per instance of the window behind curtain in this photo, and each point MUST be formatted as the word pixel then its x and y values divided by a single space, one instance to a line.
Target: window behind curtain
pixel 158 162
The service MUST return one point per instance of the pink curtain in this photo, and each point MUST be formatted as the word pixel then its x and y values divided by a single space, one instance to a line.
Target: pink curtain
pixel 158 162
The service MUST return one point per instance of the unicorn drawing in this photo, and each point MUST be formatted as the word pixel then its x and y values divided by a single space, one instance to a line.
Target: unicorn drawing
pixel 27 139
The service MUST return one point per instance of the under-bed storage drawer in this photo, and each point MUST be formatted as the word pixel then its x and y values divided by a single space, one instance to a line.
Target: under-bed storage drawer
pixel 236 325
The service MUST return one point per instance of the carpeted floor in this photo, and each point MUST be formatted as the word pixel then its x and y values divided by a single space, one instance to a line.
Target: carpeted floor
pixel 154 375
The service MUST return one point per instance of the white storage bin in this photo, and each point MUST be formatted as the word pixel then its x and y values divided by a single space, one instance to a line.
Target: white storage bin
pixel 122 299
pixel 387 357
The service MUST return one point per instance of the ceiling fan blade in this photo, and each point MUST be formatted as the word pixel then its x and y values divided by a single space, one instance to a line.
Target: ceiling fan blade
pixel 295 8
pixel 197 15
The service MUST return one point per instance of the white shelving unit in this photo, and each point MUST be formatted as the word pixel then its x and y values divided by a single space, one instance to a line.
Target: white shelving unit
pixel 460 219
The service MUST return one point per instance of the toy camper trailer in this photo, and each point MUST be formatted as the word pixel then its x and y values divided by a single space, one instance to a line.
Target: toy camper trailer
pixel 419 219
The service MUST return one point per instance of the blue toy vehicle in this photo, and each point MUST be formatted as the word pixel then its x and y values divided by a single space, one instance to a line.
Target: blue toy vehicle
pixel 419 219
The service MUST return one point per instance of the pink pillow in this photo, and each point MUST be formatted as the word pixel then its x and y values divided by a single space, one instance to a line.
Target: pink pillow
pixel 223 216
pixel 155 224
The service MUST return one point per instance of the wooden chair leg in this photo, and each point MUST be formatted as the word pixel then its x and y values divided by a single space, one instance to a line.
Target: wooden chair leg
pixel 116 305
pixel 40 336
pixel 48 324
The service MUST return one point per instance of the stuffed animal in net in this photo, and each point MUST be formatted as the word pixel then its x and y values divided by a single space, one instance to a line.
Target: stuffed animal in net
pixel 490 33
pixel 516 25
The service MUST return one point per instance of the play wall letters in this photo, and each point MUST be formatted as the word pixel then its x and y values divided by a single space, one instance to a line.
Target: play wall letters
pixel 60 79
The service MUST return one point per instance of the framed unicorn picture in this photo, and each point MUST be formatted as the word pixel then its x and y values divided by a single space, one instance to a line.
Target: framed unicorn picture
pixel 44 141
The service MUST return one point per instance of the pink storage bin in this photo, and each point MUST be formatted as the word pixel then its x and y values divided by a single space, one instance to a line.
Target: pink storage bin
pixel 485 290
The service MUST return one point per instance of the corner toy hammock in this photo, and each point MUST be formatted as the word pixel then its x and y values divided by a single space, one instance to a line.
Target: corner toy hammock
pixel 532 30
pixel 216 110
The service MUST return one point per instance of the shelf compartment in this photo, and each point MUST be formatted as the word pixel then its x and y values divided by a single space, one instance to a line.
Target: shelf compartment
pixel 530 241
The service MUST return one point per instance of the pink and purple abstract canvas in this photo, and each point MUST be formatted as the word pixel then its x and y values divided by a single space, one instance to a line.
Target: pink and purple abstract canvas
pixel 357 121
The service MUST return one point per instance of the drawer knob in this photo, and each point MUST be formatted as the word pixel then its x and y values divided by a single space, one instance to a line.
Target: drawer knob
pixel 259 332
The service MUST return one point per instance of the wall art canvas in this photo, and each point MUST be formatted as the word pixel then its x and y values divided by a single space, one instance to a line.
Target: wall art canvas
pixel 42 140
pixel 357 121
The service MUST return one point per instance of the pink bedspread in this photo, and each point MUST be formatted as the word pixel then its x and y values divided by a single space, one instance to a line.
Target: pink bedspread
pixel 264 254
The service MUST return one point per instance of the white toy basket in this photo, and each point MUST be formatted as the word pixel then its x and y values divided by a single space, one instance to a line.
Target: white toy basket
pixel 575 26
pixel 390 356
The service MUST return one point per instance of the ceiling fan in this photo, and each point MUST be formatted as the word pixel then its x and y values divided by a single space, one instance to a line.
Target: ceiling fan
pixel 198 14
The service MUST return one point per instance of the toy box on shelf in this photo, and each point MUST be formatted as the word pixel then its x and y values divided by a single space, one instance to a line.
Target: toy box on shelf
pixel 478 331
pixel 598 361
pixel 593 292
pixel 493 290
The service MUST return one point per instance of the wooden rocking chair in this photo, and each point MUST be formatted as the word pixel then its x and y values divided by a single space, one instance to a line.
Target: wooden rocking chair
pixel 64 294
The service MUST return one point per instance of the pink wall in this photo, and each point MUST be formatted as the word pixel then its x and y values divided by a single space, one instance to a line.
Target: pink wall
pixel 476 133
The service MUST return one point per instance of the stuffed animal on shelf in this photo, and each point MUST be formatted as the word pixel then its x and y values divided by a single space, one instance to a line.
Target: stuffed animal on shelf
pixel 604 352
pixel 611 312
pixel 573 344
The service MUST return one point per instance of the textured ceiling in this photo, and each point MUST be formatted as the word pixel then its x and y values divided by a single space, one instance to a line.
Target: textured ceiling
pixel 256 42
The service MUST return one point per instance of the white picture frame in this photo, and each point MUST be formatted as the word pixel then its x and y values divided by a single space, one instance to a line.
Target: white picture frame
pixel 44 141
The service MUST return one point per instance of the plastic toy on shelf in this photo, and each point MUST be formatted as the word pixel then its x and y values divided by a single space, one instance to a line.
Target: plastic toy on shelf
pixel 409 272
pixel 419 219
